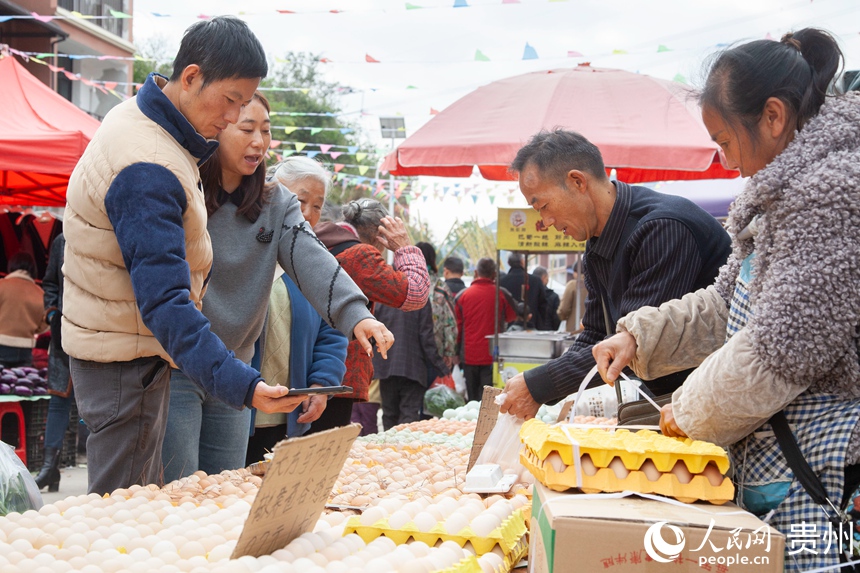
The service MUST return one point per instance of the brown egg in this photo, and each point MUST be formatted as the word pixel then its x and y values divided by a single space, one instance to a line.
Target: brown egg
pixel 617 466
pixel 681 472
pixel 652 473
pixel 588 467
pixel 713 474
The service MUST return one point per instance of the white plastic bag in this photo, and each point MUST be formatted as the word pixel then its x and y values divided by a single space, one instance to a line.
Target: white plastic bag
pixel 503 445
pixel 459 380
pixel 18 490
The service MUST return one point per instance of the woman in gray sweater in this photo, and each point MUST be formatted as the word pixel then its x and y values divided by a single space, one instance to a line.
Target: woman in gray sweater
pixel 254 226
pixel 778 331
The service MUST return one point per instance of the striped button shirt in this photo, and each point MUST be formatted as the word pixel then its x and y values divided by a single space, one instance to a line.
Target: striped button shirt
pixel 653 248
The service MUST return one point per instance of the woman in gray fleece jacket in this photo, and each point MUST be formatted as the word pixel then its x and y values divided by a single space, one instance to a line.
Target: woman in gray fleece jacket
pixel 254 226
pixel 779 329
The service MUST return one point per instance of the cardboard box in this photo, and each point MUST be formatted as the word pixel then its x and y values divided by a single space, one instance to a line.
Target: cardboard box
pixel 573 532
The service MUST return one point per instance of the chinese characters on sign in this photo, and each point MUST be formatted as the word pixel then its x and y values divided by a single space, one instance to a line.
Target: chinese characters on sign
pixel 522 230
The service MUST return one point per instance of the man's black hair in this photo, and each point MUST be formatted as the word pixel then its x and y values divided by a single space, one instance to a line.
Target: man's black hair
pixel 22 261
pixel 557 152
pixel 486 268
pixel 224 48
pixel 454 265
pixel 515 260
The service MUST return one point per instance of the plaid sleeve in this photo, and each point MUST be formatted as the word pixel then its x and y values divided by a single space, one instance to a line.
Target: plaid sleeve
pixel 410 261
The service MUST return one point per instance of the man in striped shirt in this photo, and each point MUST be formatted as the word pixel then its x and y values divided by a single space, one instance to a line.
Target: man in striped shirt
pixel 643 248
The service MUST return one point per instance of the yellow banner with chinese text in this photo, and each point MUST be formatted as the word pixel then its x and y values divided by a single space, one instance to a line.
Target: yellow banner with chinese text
pixel 522 230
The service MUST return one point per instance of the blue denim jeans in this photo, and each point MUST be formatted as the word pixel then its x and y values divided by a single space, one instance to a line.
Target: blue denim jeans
pixel 59 411
pixel 202 432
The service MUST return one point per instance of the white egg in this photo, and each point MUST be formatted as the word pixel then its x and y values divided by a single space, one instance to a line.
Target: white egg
pixel 419 548
pixel 484 524
pixel 398 519
pixel 373 515
pixel 425 521
pixel 456 522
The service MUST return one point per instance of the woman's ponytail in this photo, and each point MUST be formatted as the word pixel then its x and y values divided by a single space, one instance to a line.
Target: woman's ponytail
pixel 821 52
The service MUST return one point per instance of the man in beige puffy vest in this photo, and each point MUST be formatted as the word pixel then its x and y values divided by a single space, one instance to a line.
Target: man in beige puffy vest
pixel 138 257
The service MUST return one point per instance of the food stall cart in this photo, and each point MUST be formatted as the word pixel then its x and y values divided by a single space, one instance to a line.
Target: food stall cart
pixel 521 230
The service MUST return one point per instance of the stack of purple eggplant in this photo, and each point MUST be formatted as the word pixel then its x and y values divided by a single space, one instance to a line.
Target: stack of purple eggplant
pixel 24 381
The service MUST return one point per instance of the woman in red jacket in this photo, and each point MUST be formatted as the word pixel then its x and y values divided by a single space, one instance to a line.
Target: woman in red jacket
pixel 358 242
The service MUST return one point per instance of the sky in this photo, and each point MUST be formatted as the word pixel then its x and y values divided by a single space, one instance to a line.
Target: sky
pixel 427 56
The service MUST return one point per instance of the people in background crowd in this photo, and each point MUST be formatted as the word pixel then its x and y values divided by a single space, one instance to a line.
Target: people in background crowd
pixel 358 242
pixel 476 314
pixel 22 314
pixel 59 381
pixel 572 299
pixel 517 281
pixel 444 320
pixel 403 378
pixel 550 320
pixel 452 271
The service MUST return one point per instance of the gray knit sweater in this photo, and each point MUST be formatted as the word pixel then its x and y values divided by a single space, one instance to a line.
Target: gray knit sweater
pixel 245 255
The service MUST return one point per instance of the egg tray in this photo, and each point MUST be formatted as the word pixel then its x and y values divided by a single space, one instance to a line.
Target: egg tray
pixel 508 535
pixel 633 448
pixel 605 481
pixel 470 564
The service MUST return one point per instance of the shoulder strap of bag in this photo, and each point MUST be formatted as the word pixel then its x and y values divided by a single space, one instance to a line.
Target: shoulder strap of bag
pixel 608 324
pixel 805 475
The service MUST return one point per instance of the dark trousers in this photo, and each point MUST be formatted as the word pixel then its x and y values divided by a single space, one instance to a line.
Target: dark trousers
pixel 402 399
pixel 476 378
pixel 263 441
pixel 337 413
pixel 364 413
pixel 124 404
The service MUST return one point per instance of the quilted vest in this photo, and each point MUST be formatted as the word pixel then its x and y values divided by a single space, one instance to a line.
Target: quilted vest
pixel 101 320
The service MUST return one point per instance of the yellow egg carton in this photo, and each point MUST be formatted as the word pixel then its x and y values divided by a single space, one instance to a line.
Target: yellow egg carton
pixel 466 565
pixel 544 442
pixel 509 535
pixel 634 448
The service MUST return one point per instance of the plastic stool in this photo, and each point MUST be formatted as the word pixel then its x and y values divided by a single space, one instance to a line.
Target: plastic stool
pixel 15 408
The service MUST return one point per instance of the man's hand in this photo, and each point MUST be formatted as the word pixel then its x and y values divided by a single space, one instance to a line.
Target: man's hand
pixel 274 399
pixel 518 399
pixel 392 233
pixel 613 355
pixel 370 328
pixel 313 407
pixel 668 425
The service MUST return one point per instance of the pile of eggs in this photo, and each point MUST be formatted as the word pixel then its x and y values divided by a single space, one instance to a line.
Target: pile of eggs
pixel 482 516
pixel 410 470
pixel 417 438
pixel 439 426
pixel 200 486
pixel 466 413
pixel 138 535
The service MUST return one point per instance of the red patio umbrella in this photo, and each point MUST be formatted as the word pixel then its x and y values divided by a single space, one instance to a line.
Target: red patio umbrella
pixel 646 128
pixel 42 136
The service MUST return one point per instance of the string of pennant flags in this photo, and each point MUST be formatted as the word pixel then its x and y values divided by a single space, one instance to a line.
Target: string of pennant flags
pixel 407 6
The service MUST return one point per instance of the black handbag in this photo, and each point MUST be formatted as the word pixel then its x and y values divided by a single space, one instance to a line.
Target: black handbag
pixel 638 412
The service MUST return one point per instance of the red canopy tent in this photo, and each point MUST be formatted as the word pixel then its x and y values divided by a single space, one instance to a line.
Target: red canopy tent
pixel 646 128
pixel 42 136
